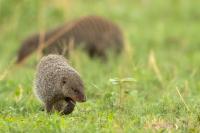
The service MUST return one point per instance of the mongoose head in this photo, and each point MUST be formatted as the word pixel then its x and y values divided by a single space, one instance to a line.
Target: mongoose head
pixel 72 86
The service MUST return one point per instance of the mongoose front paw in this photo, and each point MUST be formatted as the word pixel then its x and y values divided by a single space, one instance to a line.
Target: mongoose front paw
pixel 69 108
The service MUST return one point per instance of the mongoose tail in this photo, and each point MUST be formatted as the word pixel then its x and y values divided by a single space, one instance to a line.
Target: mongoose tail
pixel 35 42
pixel 28 46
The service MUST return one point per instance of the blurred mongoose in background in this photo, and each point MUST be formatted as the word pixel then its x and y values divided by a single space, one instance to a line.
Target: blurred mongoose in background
pixel 95 34
pixel 56 82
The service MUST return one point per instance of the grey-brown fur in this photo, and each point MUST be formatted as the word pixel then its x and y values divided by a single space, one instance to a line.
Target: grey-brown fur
pixel 57 82
pixel 96 35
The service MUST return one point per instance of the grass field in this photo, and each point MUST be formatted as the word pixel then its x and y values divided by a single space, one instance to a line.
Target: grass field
pixel 152 87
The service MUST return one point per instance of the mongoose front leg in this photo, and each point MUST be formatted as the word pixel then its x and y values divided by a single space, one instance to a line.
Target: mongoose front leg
pixel 69 108
pixel 49 107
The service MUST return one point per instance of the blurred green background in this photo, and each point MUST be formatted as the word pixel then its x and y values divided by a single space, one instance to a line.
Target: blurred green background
pixel 152 87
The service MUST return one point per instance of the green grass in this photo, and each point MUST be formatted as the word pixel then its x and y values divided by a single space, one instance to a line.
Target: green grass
pixel 163 58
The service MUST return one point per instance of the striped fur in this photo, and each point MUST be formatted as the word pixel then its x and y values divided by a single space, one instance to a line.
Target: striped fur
pixel 94 34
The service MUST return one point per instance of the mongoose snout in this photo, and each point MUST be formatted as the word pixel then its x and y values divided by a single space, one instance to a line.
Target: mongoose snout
pixel 57 82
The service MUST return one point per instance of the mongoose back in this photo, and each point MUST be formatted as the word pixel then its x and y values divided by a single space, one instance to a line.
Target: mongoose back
pixel 56 81
pixel 96 35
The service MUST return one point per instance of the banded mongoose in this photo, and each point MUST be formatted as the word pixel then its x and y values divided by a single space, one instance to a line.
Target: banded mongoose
pixel 95 34
pixel 56 81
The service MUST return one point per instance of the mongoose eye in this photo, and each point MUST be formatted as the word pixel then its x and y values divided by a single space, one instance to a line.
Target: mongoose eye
pixel 75 90
pixel 64 82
